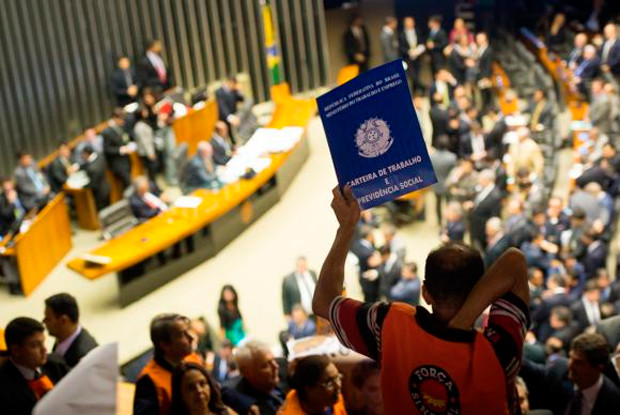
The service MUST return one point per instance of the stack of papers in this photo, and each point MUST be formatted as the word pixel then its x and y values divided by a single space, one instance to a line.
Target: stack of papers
pixel 188 202
pixel 78 180
pixel 240 163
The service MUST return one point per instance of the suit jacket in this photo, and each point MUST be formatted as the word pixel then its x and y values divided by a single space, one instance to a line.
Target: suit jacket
pixel 57 174
pixel 613 57
pixel 388 277
pixel 595 258
pixel 227 102
pixel 575 57
pixel 540 316
pixel 443 163
pixel 16 398
pixel 290 291
pixel 493 252
pixel 439 119
pixel 588 69
pixel 440 40
pixel 148 77
pixel 112 142
pixel 240 395
pixel 455 230
pixel 389 45
pixel 95 169
pixel 80 347
pixel 466 149
pixel 196 176
pixel 404 46
pixel 485 64
pixel 483 210
pixel 141 209
pixel 580 315
pixel 7 215
pixel 222 151
pixel 546 116
pixel 353 47
pixel 600 113
pixel 28 193
pixel 118 86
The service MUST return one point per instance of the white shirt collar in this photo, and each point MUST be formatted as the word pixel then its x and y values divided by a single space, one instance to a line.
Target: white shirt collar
pixel 26 372
pixel 63 346
pixel 388 30
pixel 589 396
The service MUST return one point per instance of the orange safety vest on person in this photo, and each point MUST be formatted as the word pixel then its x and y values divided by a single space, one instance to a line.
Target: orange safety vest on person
pixel 423 374
pixel 162 379
pixel 292 406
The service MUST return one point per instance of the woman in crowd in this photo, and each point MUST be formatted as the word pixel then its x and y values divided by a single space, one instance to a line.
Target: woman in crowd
pixel 316 388
pixel 231 321
pixel 194 392
pixel 459 29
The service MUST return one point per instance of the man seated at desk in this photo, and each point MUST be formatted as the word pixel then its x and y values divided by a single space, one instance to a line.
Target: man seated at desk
pixel 146 202
pixel 200 171
pixel 11 213
pixel 94 167
pixel 222 147
pixel 32 186
pixel 61 168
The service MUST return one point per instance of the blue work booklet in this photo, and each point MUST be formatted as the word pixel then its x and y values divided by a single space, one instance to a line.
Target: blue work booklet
pixel 374 136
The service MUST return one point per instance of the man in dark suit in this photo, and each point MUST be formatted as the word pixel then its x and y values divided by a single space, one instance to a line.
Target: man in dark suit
pixel 152 71
pixel 411 48
pixel 29 373
pixel 473 145
pixel 32 186
pixel 369 261
pixel 575 57
pixel 485 205
pixel 439 119
pixel 555 295
pixel 222 147
pixel 587 70
pixel 357 44
pixel 436 41
pixel 199 173
pixel 541 112
pixel 227 97
pixel 124 83
pixel 563 328
pixel 116 147
pixel 595 255
pixel 95 168
pixel 257 390
pixel 497 241
pixel 389 271
pixel 485 69
pixel 610 51
pixel 61 168
pixel 443 162
pixel 567 387
pixel 146 201
pixel 298 288
pixel 587 311
pixel 62 320
pixel 223 362
pixel 11 208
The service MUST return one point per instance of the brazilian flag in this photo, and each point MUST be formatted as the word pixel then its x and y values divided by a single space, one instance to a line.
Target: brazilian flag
pixel 271 47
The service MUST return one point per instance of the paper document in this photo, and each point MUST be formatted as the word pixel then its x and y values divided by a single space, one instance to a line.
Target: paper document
pixel 89 389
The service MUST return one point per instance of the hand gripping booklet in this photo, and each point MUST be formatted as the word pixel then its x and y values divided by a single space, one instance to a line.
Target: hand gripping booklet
pixel 374 136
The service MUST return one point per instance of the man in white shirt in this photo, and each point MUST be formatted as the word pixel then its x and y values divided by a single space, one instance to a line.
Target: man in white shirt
pixel 73 342
pixel 298 288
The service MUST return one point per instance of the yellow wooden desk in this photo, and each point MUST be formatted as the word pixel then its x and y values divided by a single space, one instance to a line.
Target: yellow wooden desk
pixel 221 217
pixel 38 250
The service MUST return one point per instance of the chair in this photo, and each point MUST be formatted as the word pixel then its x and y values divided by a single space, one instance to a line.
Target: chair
pixel 117 219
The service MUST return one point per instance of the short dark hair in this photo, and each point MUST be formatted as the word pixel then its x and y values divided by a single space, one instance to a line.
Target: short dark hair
pixel 161 328
pixel 118 113
pixel 443 142
pixel 177 406
pixel 149 43
pixel 19 329
pixel 591 285
pixel 64 304
pixel 308 371
pixel 22 153
pixel 451 272
pixel 385 250
pixel 558 279
pixel 435 18
pixel 363 370
pixel 562 313
pixel 412 266
pixel 593 346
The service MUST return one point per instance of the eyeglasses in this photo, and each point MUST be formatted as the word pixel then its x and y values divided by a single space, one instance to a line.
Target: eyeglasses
pixel 332 382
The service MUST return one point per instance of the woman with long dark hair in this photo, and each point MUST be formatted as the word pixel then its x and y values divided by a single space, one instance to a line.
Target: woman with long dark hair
pixel 231 321
pixel 194 392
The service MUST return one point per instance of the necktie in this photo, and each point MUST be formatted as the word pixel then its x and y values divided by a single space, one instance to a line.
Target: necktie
pixel 35 180
pixel 574 407
pixel 40 385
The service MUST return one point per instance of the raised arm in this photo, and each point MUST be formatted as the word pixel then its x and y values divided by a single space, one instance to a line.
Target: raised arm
pixel 507 274
pixel 331 277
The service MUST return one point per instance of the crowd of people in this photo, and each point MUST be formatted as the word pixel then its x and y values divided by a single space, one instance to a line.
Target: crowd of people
pixel 534 279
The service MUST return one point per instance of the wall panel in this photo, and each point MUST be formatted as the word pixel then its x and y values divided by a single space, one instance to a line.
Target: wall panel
pixel 56 57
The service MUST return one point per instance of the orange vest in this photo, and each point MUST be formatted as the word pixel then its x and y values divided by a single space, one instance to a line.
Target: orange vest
pixel 292 406
pixel 162 379
pixel 423 374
